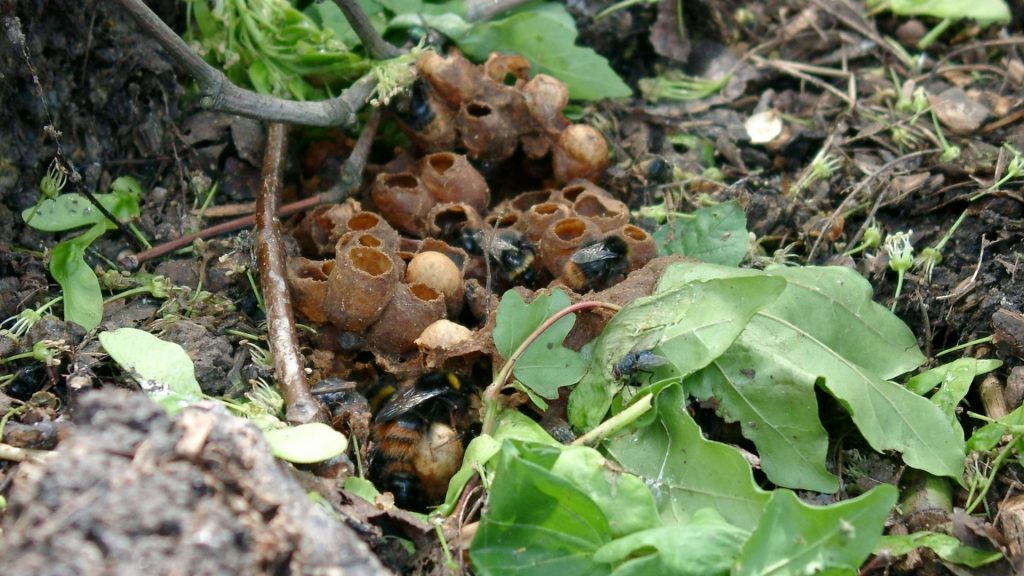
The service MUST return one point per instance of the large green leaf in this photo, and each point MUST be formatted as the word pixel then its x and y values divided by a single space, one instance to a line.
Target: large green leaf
pixel 823 330
pixel 537 522
pixel 947 547
pixel 689 326
pixel 687 472
pixel 794 538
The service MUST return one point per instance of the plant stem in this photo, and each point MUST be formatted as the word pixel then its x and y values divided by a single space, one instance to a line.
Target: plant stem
pixel 616 423
pixel 301 406
pixel 966 345
pixel 372 41
pixel 491 394
pixel 218 93
pixel 934 34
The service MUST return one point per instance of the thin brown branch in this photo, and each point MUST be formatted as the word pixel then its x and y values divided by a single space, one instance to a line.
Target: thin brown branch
pixel 375 45
pixel 218 93
pixel 300 405
pixel 351 178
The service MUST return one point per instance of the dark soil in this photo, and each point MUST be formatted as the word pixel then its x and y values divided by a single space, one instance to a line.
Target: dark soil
pixel 130 490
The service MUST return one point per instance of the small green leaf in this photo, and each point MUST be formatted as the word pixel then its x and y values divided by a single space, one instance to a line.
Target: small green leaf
pixel 988 436
pixel 546 365
pixel 959 369
pixel 83 300
pixel 545 35
pixel 947 547
pixel 70 211
pixel 162 369
pixel 536 521
pixel 363 488
pixel 705 546
pixel 716 235
pixel 796 538
pixel 306 443
pixel 687 472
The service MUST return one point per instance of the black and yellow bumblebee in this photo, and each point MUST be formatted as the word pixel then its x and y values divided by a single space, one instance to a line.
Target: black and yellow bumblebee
pixel 510 252
pixel 597 265
pixel 419 440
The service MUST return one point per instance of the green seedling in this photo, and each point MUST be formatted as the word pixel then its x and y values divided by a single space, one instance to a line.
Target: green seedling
pixel 21 323
pixel 83 300
pixel 932 256
pixel 872 239
pixel 1014 170
pixel 822 168
pixel 985 12
pixel 901 259
pixel 680 87
pixel 46 352
pixel 50 186
pixel 949 152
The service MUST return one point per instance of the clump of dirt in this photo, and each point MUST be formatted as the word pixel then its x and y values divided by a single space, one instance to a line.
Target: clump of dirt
pixel 133 491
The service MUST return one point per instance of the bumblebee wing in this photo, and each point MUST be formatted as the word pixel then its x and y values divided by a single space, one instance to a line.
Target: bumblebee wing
pixel 592 254
pixel 407 400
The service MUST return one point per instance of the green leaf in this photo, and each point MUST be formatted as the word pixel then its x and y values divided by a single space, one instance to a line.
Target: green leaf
pixel 947 547
pixel 545 35
pixel 306 443
pixel 685 471
pixel 984 11
pixel 716 235
pixel 162 369
pixel 70 211
pixel 794 538
pixel 705 546
pixel 83 300
pixel 688 326
pixel 625 499
pixel 363 488
pixel 988 436
pixel 823 330
pixel 546 365
pixel 536 521
pixel 957 370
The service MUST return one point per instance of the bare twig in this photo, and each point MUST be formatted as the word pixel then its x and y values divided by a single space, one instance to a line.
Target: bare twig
pixel 351 178
pixel 376 46
pixel 218 93
pixel 300 405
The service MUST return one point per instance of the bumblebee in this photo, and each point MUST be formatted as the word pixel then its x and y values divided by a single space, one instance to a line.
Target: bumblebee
pixel 597 265
pixel 418 440
pixel 509 251
pixel 634 363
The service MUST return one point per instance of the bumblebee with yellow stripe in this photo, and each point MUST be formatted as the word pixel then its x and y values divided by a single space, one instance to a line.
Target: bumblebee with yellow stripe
pixel 418 440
